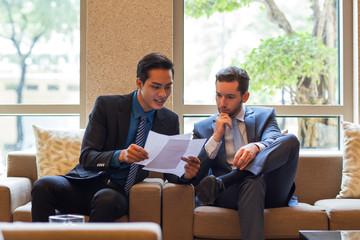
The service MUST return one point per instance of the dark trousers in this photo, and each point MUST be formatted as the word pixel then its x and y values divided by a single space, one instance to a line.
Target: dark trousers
pixel 272 186
pixel 92 197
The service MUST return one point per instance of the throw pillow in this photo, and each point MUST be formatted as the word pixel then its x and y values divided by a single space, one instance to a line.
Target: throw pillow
pixel 350 184
pixel 57 151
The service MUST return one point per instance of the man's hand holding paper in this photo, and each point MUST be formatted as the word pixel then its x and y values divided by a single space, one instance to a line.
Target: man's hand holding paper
pixel 192 166
pixel 133 153
pixel 172 154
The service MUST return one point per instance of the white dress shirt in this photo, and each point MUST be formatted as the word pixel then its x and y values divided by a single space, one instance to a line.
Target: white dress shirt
pixel 212 147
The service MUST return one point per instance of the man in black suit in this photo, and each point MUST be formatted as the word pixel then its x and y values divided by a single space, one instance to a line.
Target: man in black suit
pixel 99 185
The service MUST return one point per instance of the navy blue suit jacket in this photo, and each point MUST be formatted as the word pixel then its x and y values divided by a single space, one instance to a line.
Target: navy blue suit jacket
pixel 107 132
pixel 261 126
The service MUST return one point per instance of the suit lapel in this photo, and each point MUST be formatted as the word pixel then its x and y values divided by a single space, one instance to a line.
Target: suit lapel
pixel 250 124
pixel 123 115
pixel 159 122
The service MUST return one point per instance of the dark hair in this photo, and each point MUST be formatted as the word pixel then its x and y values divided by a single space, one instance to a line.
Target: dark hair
pixel 233 73
pixel 153 61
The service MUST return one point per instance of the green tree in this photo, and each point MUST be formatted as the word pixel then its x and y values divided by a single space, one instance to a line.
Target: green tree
pixel 25 23
pixel 301 63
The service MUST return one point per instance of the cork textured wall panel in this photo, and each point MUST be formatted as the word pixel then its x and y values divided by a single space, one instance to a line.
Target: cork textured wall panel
pixel 119 34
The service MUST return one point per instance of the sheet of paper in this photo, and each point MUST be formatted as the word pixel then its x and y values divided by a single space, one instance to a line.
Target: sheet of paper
pixel 165 152
pixel 194 149
pixel 155 142
pixel 169 156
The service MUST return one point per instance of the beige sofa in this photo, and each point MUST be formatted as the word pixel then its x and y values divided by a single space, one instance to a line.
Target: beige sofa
pixel 15 193
pixel 318 182
pixel 92 231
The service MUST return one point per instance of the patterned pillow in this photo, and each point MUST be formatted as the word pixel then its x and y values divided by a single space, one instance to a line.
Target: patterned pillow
pixel 350 184
pixel 57 151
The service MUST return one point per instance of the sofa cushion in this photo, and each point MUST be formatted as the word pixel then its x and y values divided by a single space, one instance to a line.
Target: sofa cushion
pixel 57 151
pixel 221 223
pixel 23 214
pixel 91 231
pixel 318 176
pixel 344 214
pixel 350 184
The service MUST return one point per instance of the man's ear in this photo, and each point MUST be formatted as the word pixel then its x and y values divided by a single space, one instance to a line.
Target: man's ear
pixel 139 83
pixel 246 97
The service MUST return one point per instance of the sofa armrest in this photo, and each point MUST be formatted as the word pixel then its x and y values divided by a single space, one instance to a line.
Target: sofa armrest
pixel 14 192
pixel 22 164
pixel 145 201
pixel 178 211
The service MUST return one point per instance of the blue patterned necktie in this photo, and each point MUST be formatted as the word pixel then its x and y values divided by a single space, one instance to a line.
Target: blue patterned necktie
pixel 139 140
pixel 238 138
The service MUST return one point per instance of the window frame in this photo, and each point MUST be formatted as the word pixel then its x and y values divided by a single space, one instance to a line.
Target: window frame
pixel 59 109
pixel 348 68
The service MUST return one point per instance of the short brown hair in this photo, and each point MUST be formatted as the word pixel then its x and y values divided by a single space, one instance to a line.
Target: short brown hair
pixel 233 73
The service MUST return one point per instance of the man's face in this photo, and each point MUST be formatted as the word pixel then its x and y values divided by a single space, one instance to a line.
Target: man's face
pixel 228 99
pixel 156 90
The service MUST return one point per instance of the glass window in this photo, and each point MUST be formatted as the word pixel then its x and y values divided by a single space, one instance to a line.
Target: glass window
pixel 189 122
pixel 321 133
pixel 289 52
pixel 39 47
pixel 12 139
pixel 300 61
pixel 39 69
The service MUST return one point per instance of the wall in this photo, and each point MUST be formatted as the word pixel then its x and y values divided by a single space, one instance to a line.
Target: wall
pixel 119 34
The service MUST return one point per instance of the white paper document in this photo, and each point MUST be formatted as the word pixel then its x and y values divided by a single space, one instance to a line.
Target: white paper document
pixel 165 152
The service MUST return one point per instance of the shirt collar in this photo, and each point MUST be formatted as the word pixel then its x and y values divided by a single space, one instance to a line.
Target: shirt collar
pixel 139 111
pixel 241 115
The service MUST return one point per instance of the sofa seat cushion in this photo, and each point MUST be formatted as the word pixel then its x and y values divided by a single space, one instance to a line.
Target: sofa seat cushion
pixel 23 214
pixel 221 223
pixel 344 214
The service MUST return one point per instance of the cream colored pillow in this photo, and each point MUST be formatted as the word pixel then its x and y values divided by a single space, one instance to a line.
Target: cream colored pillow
pixel 57 151
pixel 350 184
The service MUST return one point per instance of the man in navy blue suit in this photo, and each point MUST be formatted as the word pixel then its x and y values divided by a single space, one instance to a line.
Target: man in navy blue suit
pixel 114 138
pixel 246 163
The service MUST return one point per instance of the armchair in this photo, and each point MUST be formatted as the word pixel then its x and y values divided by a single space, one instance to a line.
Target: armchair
pixel 15 193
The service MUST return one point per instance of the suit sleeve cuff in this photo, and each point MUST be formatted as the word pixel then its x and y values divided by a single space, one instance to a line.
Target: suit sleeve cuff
pixel 115 163
pixel 184 181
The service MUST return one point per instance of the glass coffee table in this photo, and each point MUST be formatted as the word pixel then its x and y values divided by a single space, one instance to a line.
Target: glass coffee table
pixel 329 235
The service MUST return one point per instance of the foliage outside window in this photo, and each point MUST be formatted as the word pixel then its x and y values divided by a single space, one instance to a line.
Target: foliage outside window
pixel 289 49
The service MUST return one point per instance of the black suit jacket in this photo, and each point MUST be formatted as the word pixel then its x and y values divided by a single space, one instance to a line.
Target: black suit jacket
pixel 107 132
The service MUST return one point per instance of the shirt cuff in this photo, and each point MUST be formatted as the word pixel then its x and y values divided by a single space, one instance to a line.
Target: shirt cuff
pixel 115 159
pixel 212 147
pixel 260 145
